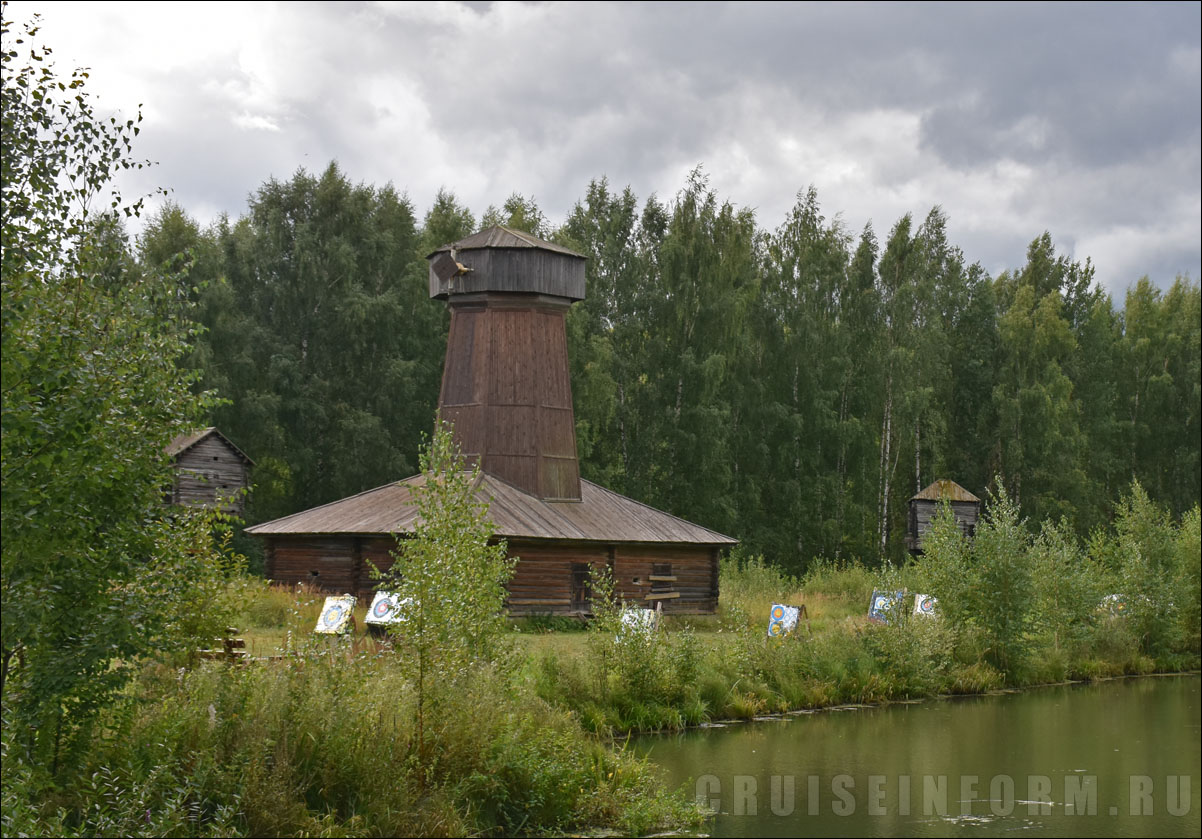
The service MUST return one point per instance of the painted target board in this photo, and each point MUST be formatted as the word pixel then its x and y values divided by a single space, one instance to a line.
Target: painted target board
pixel 384 610
pixel 782 620
pixel 639 620
pixel 336 615
pixel 924 604
pixel 885 604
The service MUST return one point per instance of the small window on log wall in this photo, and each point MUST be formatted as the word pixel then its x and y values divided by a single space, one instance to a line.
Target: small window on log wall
pixel 662 581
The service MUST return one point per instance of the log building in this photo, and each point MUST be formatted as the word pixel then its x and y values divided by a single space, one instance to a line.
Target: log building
pixel 924 506
pixel 507 393
pixel 210 471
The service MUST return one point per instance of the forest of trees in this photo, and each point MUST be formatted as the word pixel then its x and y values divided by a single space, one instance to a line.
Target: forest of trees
pixel 792 387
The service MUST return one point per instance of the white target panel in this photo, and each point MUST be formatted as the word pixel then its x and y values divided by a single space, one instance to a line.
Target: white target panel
pixel 782 620
pixel 336 615
pixel 639 620
pixel 384 609
pixel 926 604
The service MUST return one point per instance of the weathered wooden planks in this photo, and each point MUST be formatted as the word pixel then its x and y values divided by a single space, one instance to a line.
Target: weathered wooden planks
pixel 924 506
pixel 209 471
pixel 547 578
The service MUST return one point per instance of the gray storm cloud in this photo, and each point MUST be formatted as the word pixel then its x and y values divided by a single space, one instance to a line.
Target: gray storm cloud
pixel 1079 119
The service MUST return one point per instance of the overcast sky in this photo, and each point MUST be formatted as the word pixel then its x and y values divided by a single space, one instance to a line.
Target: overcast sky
pixel 1083 120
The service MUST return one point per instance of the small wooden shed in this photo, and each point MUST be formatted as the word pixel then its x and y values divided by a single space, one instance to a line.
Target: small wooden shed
pixel 966 507
pixel 210 471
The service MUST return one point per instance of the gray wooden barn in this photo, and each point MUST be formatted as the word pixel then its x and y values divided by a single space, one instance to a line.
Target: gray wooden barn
pixel 966 507
pixel 210 471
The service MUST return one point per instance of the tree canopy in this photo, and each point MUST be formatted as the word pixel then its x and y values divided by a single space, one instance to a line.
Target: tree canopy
pixel 96 570
pixel 792 387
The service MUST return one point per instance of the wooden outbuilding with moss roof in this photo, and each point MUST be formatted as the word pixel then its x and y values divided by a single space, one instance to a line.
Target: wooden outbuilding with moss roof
pixel 965 506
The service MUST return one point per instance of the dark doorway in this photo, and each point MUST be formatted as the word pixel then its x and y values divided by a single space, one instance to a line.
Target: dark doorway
pixel 580 599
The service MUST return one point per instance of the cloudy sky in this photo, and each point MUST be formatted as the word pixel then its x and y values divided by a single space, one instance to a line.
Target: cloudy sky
pixel 1083 120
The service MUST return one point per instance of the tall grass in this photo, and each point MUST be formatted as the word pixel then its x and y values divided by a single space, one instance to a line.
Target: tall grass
pixel 324 744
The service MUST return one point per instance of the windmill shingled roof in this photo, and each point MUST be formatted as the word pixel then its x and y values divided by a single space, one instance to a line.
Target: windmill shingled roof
pixel 600 515
pixel 499 236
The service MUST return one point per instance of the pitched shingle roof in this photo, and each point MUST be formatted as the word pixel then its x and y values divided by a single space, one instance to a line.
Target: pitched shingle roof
pixel 498 236
pixel 183 442
pixel 600 515
pixel 944 488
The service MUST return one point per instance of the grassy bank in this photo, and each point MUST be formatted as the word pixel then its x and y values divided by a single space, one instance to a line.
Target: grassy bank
pixel 322 743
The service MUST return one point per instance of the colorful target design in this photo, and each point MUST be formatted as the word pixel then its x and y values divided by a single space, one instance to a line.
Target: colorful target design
pixel 782 620
pixel 639 620
pixel 924 604
pixel 885 605
pixel 336 615
pixel 384 610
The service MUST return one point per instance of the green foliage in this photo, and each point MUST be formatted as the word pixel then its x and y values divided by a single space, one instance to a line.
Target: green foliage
pixel 319 330
pixel 847 580
pixel 1005 587
pixel 749 586
pixel 518 212
pixel 449 576
pixel 1035 608
pixel 96 570
pixel 1188 578
pixel 1149 574
pixel 1067 591
pixel 326 745
pixel 985 586
pixel 633 677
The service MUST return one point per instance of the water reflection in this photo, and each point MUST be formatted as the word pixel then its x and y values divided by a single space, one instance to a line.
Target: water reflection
pixel 1117 758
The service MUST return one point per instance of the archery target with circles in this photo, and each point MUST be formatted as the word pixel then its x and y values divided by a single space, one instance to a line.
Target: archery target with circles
pixel 384 609
pixel 883 604
pixel 782 620
pixel 924 604
pixel 336 615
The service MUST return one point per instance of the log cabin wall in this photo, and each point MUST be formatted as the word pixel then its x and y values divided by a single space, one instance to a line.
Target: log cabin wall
pixel 550 578
pixel 207 471
pixel 339 564
pixel 326 562
pixel 923 513
pixel 682 577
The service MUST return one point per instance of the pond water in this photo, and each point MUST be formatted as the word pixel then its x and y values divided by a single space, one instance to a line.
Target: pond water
pixel 1112 758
